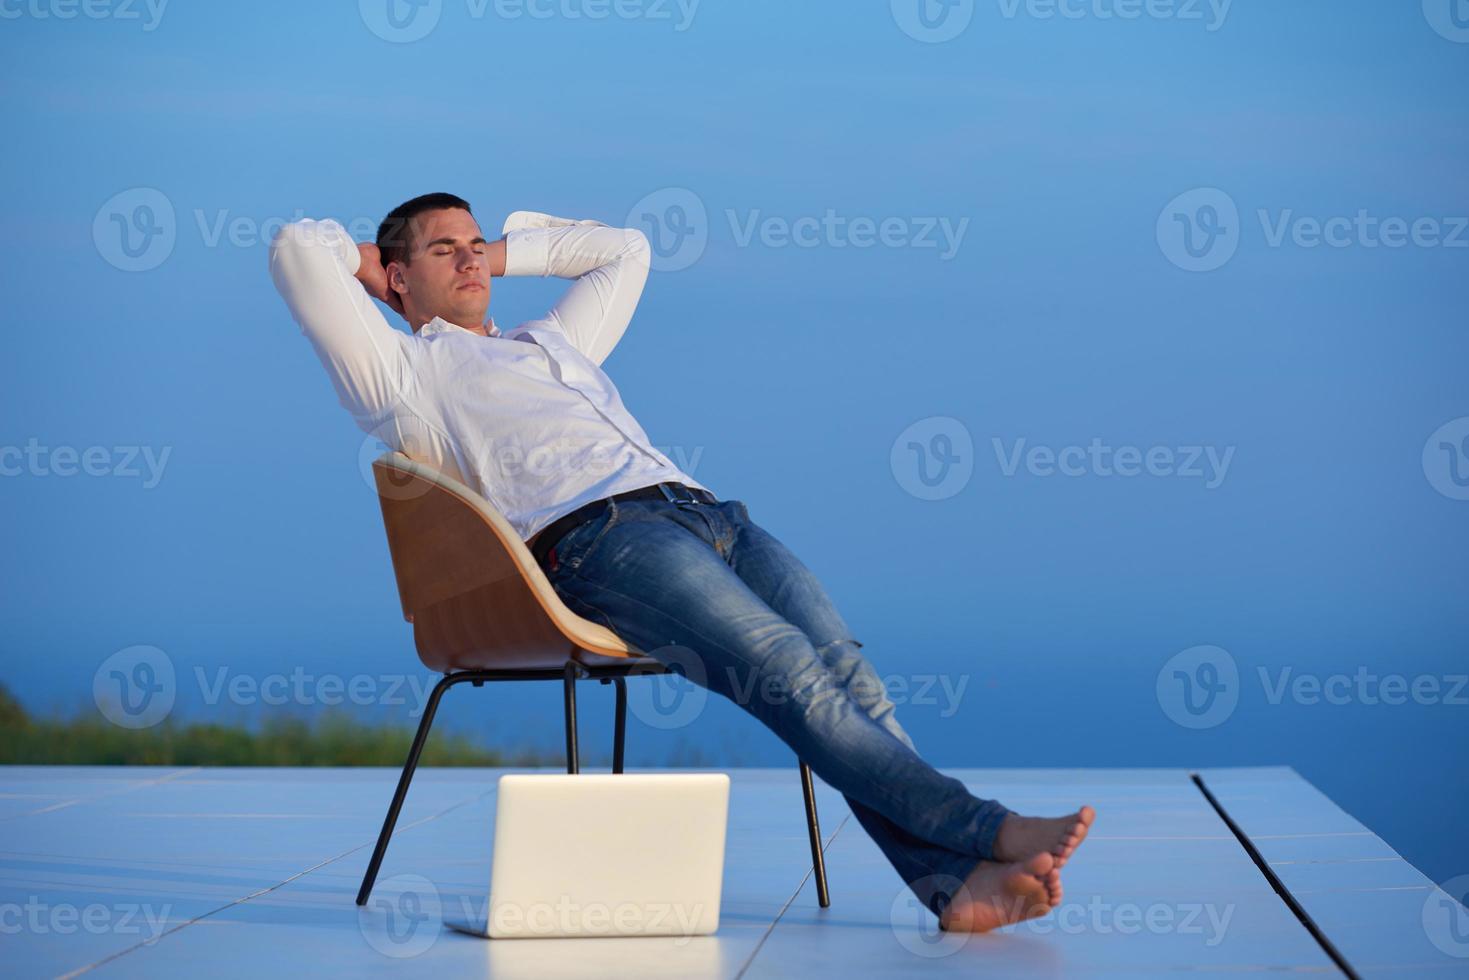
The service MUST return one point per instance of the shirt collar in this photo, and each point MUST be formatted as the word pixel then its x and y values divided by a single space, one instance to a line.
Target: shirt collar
pixel 439 325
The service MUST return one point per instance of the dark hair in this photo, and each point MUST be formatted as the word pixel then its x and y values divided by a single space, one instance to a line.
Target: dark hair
pixel 395 234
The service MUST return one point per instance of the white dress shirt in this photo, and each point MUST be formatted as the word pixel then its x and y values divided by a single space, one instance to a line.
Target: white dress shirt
pixel 526 417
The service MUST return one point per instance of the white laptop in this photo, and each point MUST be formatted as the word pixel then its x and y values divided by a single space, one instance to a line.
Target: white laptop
pixel 605 854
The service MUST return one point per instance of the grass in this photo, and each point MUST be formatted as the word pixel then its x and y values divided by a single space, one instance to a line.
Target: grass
pixel 331 739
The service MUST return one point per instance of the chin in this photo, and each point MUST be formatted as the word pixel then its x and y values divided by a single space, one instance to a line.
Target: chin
pixel 468 317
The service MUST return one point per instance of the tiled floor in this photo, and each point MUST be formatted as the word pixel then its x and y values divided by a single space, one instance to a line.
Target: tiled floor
pixel 252 873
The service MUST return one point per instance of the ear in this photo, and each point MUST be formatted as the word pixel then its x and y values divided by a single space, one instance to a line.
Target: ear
pixel 396 281
pixel 397 286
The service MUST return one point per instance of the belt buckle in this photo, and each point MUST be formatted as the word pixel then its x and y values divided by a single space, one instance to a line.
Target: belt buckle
pixel 670 494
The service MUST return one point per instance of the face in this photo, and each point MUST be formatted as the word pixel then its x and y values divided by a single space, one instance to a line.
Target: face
pixel 448 273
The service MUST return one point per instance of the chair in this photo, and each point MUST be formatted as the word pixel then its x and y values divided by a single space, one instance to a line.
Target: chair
pixel 482 610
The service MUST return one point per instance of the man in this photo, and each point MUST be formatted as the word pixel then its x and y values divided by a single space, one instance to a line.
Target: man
pixel 626 538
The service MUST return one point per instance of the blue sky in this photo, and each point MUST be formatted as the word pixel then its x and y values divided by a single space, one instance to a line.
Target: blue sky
pixel 1073 160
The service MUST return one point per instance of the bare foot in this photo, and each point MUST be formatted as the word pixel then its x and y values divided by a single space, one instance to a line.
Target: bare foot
pixel 1057 836
pixel 996 894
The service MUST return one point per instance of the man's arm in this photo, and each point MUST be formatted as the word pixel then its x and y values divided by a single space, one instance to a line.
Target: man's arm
pixel 325 279
pixel 610 266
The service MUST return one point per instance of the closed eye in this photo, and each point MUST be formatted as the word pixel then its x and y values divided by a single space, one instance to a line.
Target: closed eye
pixel 445 246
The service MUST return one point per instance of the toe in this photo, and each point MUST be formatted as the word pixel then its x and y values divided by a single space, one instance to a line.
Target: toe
pixel 1040 864
pixel 1053 884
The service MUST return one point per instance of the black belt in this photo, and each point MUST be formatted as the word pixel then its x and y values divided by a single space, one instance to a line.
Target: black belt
pixel 556 530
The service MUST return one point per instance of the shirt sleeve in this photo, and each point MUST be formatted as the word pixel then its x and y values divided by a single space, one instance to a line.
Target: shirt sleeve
pixel 313 265
pixel 610 266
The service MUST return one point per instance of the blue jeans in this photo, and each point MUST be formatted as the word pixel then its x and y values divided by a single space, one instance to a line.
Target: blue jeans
pixel 707 591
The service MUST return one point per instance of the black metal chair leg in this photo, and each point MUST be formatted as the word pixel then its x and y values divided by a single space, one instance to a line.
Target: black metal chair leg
pixel 568 683
pixel 619 730
pixel 402 791
pixel 818 862
pixel 569 676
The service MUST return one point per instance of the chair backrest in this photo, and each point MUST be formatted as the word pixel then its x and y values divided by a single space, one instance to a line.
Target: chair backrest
pixel 473 590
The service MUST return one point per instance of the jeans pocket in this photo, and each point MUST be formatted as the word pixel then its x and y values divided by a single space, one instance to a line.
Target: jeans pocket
pixel 578 544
